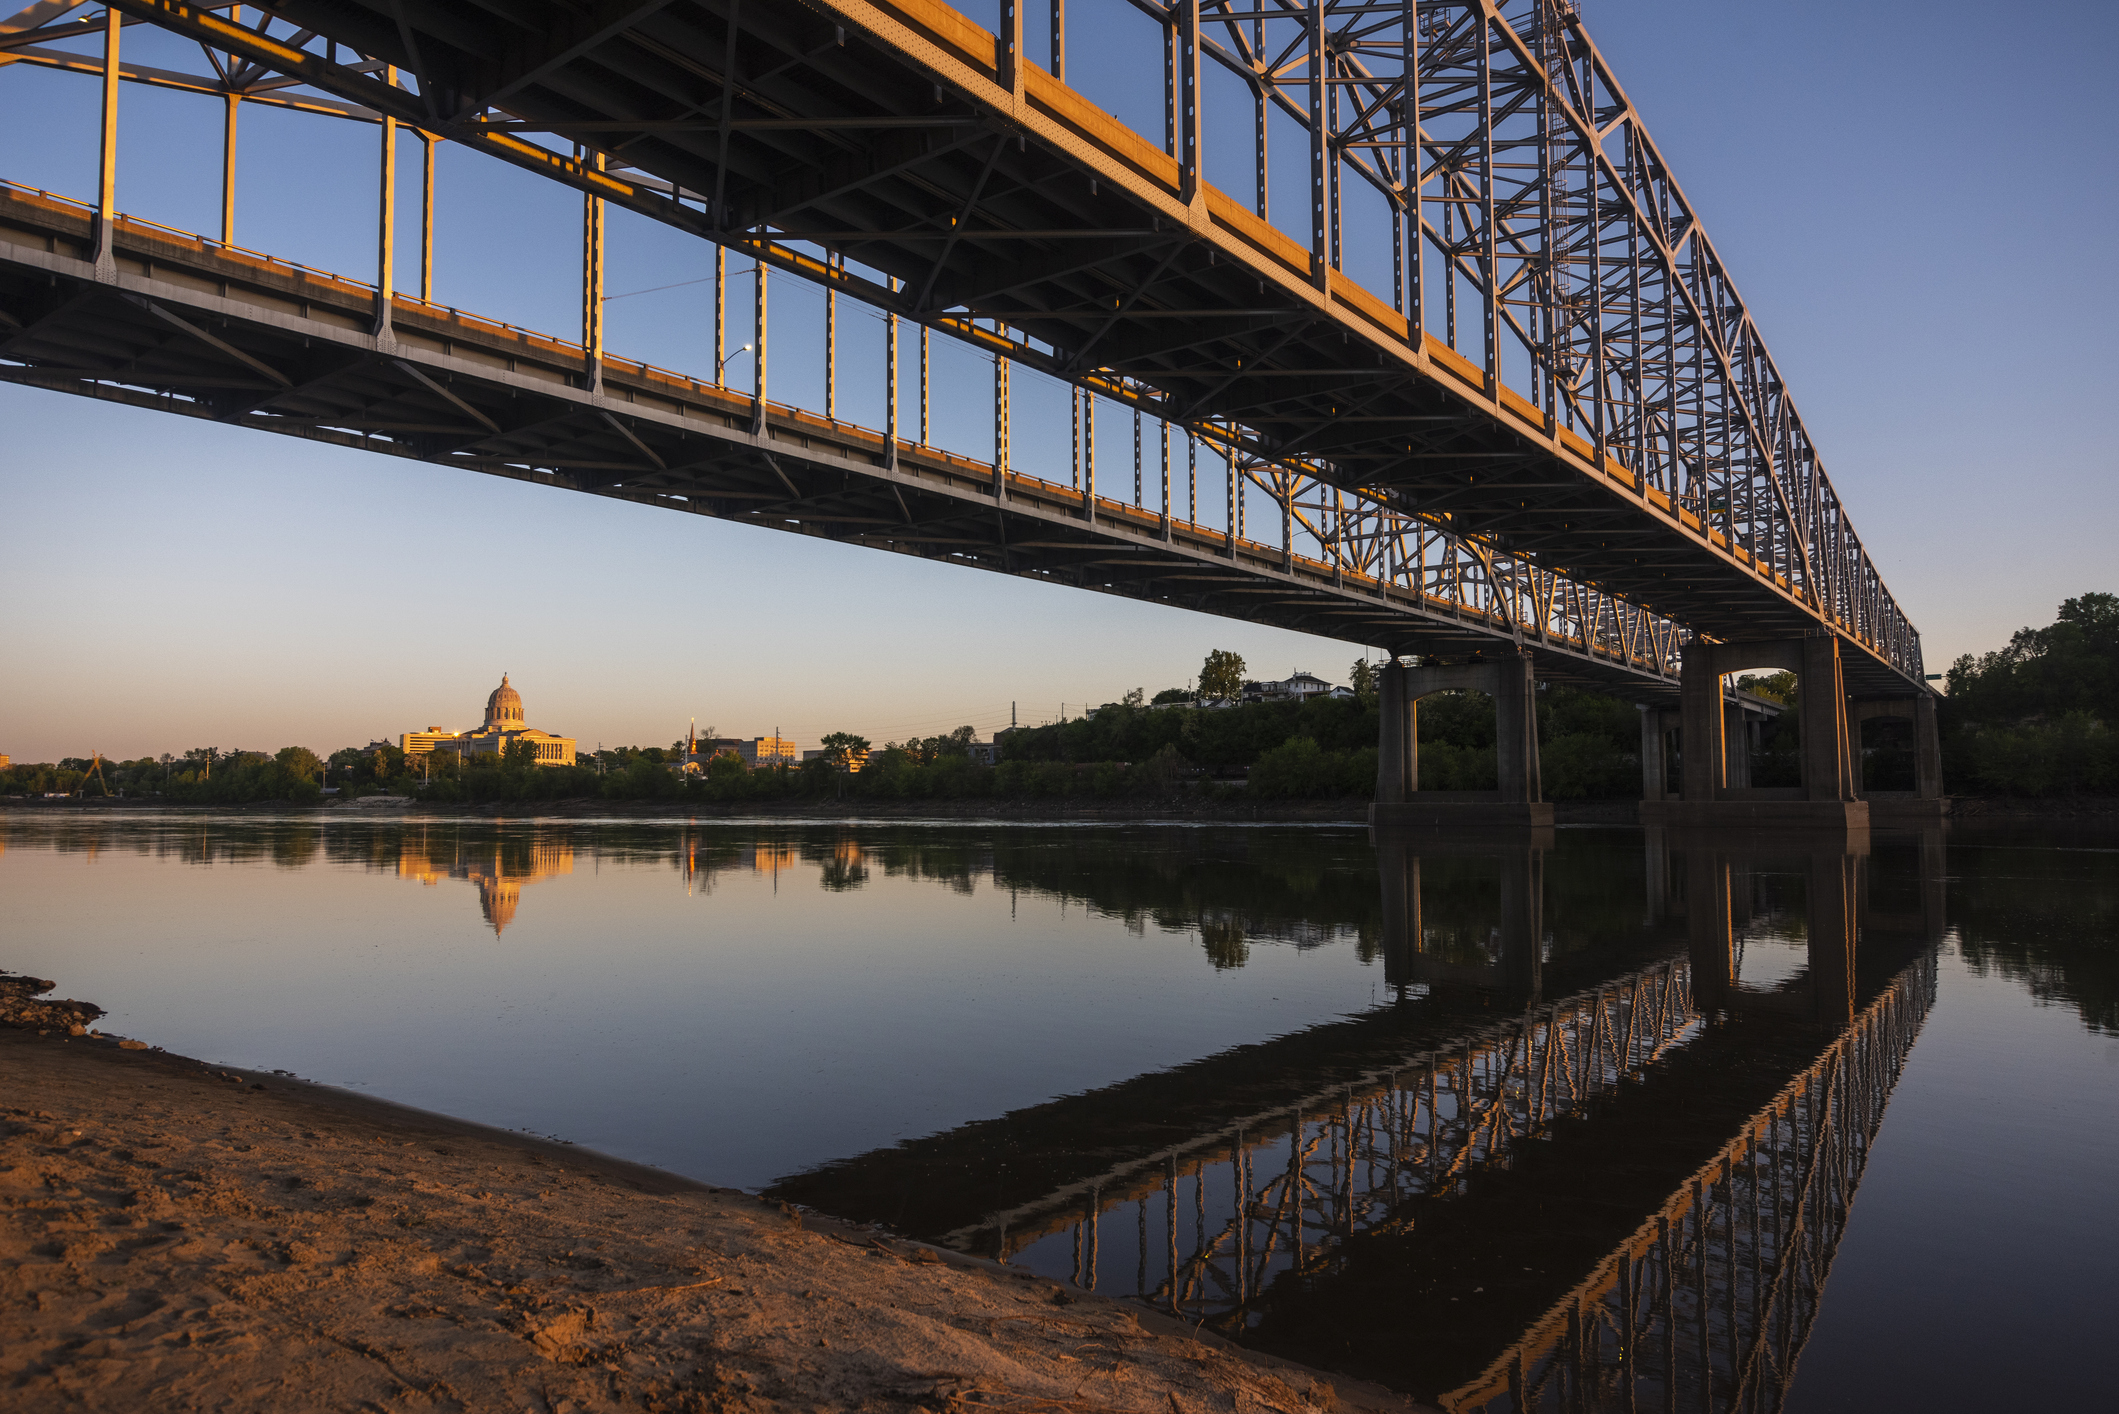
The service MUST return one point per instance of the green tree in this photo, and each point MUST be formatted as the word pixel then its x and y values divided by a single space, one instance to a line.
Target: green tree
pixel 2070 665
pixel 1361 677
pixel 1171 694
pixel 298 763
pixel 1780 687
pixel 1221 676
pixel 2035 717
pixel 925 751
pixel 841 747
pixel 1134 696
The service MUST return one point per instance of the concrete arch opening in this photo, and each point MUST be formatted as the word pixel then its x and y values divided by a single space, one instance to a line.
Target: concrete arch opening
pixel 1518 798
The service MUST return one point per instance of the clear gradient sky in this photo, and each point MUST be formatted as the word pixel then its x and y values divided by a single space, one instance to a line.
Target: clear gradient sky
pixel 1917 199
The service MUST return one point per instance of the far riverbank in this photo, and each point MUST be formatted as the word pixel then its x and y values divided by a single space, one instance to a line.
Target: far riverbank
pixel 1179 809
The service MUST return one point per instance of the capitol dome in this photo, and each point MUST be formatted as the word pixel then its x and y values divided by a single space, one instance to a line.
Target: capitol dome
pixel 504 708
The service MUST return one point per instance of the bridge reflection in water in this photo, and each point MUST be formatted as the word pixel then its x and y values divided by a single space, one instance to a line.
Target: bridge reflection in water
pixel 1614 1193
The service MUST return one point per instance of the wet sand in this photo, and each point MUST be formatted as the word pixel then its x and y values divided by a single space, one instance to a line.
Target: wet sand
pixel 176 1236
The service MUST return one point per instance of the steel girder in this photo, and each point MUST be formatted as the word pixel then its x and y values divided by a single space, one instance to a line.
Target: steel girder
pixel 1616 421
pixel 182 324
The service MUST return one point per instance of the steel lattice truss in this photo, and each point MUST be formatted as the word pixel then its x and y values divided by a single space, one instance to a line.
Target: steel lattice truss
pixel 1708 1303
pixel 1529 177
pixel 1343 1162
pixel 1561 381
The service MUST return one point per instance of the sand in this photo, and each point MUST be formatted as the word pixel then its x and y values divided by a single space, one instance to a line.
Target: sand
pixel 179 1237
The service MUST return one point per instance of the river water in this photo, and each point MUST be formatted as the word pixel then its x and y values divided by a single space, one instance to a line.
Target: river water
pixel 1598 1118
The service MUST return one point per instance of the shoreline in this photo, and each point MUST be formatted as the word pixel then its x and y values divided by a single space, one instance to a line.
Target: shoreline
pixel 175 1234
pixel 970 812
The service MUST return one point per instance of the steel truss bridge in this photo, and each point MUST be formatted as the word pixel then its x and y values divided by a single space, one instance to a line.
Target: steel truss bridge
pixel 1554 424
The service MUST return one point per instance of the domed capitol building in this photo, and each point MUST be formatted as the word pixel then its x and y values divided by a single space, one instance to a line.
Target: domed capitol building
pixel 504 727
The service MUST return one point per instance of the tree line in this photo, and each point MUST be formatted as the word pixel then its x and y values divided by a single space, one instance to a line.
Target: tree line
pixel 2034 717
pixel 2030 718
pixel 204 775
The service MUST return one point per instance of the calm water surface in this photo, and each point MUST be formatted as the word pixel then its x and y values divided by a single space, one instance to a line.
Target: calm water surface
pixel 1596 1119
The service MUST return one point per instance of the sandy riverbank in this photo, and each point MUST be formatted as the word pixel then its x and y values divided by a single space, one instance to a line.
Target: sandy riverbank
pixel 175 1236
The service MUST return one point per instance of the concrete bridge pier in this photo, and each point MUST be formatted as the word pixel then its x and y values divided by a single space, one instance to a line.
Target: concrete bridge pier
pixel 1925 804
pixel 1519 800
pixel 1714 769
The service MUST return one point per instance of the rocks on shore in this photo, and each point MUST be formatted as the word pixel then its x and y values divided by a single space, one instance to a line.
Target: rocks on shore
pixel 21 1009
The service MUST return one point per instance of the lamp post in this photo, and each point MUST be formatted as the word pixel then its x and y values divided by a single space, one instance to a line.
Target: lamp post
pixel 721 365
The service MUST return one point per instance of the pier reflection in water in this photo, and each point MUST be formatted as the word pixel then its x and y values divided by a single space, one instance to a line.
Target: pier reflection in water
pixel 1571 1121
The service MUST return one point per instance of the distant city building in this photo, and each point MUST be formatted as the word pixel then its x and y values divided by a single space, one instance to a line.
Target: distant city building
pixel 503 728
pixel 698 752
pixel 5 761
pixel 420 743
pixel 986 753
pixel 767 751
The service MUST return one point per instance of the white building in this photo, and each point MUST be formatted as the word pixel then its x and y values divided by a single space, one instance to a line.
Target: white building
pixel 1299 687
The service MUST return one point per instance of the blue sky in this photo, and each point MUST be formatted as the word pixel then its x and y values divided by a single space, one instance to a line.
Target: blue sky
pixel 1920 219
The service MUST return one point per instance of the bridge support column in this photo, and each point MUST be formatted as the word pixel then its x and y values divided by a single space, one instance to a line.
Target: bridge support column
pixel 1736 746
pixel 1519 799
pixel 1927 749
pixel 1713 746
pixel 1826 753
pixel 1655 752
pixel 1397 759
pixel 1703 756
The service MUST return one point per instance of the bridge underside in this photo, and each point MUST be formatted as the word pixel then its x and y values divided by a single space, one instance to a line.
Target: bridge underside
pixel 1008 209
pixel 181 325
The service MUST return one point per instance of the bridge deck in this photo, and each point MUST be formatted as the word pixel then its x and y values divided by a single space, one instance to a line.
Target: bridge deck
pixel 1649 448
pixel 184 325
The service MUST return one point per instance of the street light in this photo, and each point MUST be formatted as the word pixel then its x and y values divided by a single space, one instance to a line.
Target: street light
pixel 721 366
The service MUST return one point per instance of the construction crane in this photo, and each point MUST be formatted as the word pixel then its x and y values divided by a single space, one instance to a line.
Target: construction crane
pixel 95 768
